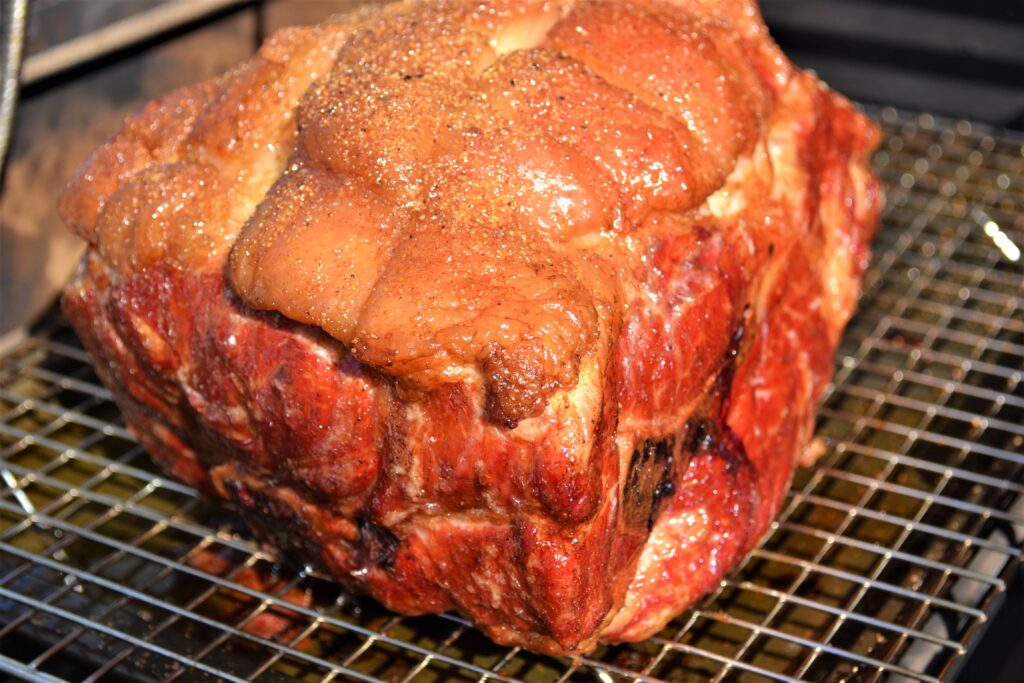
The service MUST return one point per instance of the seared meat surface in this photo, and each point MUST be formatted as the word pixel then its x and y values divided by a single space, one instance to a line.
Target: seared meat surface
pixel 509 307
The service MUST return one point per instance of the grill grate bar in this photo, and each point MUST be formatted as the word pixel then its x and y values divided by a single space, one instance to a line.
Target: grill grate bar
pixel 52 522
pixel 290 645
pixel 930 497
pixel 56 550
pixel 965 338
pixel 70 585
pixel 82 576
pixel 730 663
pixel 896 554
pixel 816 646
pixel 989 319
pixel 848 615
pixel 57 547
pixel 106 630
pixel 175 618
pixel 119 505
pixel 934 410
pixel 142 475
pixel 65 382
pixel 924 434
pixel 917 463
pixel 940 357
pixel 59 412
pixel 976 292
pixel 15 668
pixel 939 383
pixel 853 511
pixel 873 583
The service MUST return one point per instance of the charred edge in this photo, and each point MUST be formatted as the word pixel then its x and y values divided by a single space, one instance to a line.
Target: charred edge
pixel 259 508
pixel 661 494
pixel 731 450
pixel 649 482
pixel 715 436
pixel 273 520
pixel 379 544
pixel 239 493
pixel 698 435
pixel 730 363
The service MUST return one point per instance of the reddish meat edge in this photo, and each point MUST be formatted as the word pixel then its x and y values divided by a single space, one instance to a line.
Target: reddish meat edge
pixel 616 508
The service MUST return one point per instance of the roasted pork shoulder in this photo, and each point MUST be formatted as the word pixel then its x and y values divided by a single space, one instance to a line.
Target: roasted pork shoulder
pixel 516 308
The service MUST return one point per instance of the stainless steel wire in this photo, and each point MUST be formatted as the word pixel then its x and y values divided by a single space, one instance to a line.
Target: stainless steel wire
pixel 887 561
pixel 12 35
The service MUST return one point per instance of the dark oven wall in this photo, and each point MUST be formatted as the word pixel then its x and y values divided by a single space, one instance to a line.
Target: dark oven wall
pixel 962 58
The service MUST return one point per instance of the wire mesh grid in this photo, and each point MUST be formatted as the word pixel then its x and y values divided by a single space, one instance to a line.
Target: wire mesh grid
pixel 886 562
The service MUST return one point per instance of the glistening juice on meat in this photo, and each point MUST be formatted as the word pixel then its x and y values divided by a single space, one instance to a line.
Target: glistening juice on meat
pixel 514 308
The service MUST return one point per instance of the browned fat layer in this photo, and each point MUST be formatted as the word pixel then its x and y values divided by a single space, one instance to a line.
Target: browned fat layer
pixel 445 163
pixel 444 155
pixel 494 220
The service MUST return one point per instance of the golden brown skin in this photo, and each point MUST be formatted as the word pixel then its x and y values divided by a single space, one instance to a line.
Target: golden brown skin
pixel 511 307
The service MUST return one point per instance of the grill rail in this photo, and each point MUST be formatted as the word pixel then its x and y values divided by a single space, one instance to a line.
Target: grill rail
pixel 887 561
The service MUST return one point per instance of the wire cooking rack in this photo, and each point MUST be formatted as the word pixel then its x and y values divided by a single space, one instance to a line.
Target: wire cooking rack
pixel 885 564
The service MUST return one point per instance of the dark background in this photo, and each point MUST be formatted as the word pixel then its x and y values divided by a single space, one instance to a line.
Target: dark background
pixel 962 58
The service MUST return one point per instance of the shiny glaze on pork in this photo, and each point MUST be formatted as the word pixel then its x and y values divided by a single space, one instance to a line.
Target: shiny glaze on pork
pixel 515 308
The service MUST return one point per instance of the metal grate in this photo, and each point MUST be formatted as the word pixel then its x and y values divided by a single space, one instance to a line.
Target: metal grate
pixel 885 564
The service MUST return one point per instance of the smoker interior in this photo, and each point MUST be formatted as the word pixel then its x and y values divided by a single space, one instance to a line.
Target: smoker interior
pixel 888 559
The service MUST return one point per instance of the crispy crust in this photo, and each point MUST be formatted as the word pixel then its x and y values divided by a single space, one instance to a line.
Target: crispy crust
pixel 582 473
